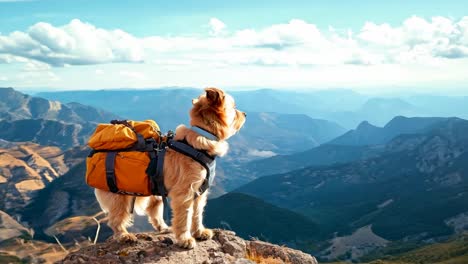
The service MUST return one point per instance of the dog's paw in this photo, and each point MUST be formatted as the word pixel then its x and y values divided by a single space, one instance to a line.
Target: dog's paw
pixel 203 234
pixel 165 230
pixel 187 243
pixel 126 237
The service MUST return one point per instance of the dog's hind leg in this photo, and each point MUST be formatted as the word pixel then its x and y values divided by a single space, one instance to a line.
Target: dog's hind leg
pixel 198 230
pixel 118 208
pixel 155 211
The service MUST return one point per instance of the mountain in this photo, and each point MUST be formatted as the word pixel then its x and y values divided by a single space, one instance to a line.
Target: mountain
pixel 413 189
pixel 439 105
pixel 18 106
pixel 50 123
pixel 46 132
pixel 364 142
pixel 171 102
pixel 452 251
pixel 269 134
pixel 367 134
pixel 64 197
pixel 345 107
pixel 18 247
pixel 169 107
pixel 10 229
pixel 325 154
pixel 252 217
pixel 27 167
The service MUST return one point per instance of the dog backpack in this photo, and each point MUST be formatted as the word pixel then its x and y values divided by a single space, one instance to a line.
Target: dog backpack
pixel 122 153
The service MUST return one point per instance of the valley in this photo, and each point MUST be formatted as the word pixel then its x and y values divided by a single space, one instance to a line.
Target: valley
pixel 299 179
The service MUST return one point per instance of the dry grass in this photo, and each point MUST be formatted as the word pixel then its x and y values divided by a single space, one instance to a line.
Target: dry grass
pixel 257 258
pixel 263 260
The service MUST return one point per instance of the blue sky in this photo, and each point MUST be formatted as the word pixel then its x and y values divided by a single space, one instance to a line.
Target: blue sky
pixel 144 18
pixel 87 44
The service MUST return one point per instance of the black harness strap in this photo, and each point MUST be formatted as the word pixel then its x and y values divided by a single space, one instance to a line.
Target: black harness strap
pixel 207 161
pixel 110 171
pixel 161 189
pixel 132 204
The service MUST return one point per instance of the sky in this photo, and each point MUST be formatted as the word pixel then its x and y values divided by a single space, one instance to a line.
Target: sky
pixel 363 45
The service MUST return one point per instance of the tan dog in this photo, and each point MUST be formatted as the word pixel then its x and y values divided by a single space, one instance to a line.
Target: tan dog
pixel 214 111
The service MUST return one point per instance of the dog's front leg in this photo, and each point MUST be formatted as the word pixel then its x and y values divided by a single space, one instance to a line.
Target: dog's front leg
pixel 198 230
pixel 182 210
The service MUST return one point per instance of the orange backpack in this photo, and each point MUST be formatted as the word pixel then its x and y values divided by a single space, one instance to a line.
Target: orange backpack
pixel 122 153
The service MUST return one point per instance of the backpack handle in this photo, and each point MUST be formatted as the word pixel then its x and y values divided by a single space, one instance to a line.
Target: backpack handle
pixel 122 122
pixel 141 139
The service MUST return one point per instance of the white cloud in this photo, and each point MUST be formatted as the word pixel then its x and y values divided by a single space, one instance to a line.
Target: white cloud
pixel 293 53
pixel 217 26
pixel 295 33
pixel 3 79
pixel 76 43
pixel 417 39
pixel 294 43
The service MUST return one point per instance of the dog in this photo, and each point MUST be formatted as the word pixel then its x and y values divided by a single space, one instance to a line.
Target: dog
pixel 214 111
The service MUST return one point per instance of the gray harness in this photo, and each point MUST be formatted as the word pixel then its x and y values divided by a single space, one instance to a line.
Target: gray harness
pixel 156 172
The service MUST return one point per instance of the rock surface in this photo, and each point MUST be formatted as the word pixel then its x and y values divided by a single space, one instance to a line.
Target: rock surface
pixel 225 247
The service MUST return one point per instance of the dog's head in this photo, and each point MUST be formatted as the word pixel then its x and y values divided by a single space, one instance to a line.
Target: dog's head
pixel 215 111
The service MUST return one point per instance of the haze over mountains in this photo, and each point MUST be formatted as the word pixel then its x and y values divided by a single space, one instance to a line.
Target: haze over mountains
pixel 345 107
pixel 336 173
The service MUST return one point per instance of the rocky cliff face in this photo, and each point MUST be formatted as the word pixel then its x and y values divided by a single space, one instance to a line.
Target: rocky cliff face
pixel 27 167
pixel 225 247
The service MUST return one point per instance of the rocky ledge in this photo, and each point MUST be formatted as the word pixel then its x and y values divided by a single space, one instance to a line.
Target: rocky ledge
pixel 225 247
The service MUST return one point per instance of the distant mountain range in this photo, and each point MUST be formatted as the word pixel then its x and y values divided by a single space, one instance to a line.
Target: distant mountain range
pixel 368 134
pixel 342 106
pixel 411 189
pixel 364 142
pixel 25 118
pixel 46 132
pixel 18 106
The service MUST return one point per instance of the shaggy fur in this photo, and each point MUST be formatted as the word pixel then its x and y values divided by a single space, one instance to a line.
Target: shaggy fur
pixel 214 111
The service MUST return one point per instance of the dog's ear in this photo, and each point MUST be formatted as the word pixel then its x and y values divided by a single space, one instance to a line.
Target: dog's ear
pixel 215 96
